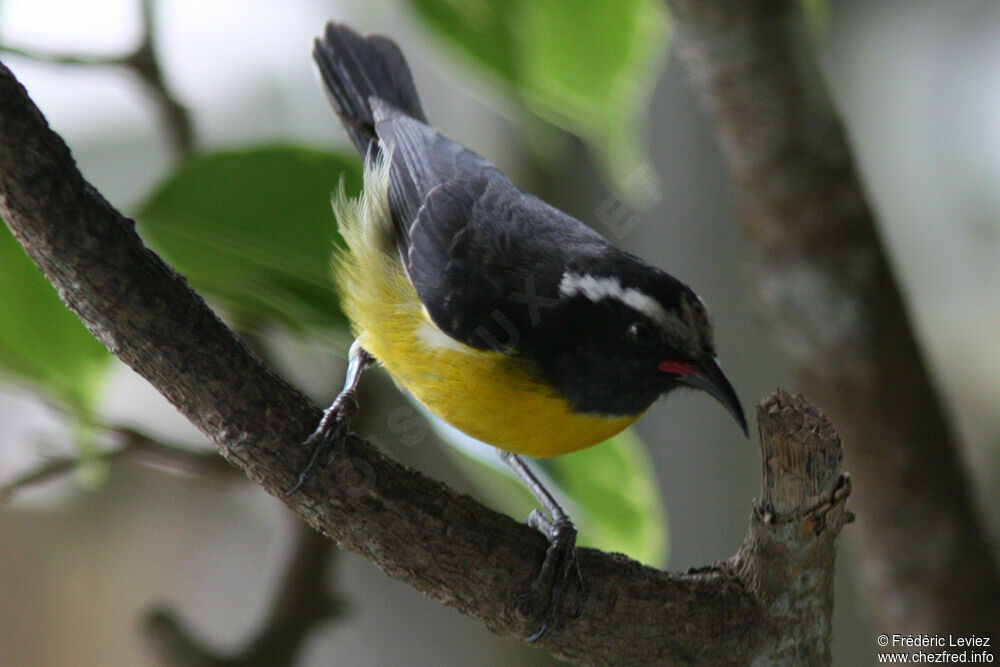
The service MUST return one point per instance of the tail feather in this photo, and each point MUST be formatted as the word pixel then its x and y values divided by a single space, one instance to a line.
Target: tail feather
pixel 355 69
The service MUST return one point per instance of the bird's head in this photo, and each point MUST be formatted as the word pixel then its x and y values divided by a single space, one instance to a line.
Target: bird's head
pixel 629 333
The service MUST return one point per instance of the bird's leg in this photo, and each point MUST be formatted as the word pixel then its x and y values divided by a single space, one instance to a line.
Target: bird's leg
pixel 560 569
pixel 325 441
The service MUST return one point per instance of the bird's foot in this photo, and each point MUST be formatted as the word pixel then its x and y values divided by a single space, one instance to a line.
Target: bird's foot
pixel 560 573
pixel 328 438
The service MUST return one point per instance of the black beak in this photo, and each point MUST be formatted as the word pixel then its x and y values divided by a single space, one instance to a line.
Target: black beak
pixel 708 377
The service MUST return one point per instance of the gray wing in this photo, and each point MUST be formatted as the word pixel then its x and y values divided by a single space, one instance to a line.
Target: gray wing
pixel 485 257
pixel 422 159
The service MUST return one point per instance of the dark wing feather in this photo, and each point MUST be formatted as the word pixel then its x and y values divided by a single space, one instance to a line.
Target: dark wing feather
pixel 354 70
pixel 422 159
pixel 487 259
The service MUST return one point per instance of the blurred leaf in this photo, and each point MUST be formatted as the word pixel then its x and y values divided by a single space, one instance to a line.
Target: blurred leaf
pixel 41 341
pixel 587 70
pixel 614 484
pixel 613 495
pixel 497 485
pixel 93 469
pixel 817 14
pixel 591 72
pixel 482 29
pixel 254 229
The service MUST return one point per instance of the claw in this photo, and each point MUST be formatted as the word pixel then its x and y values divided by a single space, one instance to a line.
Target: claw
pixel 561 569
pixel 560 572
pixel 328 438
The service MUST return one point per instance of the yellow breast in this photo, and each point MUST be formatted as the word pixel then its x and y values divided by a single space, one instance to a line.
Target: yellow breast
pixel 490 396
pixel 487 395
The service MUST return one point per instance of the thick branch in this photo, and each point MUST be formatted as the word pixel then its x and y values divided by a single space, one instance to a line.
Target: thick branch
pixel 827 288
pixel 414 528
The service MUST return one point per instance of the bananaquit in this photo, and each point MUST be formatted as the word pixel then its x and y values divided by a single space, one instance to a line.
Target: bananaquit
pixel 505 317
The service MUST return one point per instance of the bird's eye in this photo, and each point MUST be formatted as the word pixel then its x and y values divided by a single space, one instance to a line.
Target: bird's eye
pixel 641 336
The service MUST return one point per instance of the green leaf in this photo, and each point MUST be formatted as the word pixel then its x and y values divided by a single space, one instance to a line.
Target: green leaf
pixel 613 495
pixel 41 341
pixel 483 30
pixel 615 486
pixel 254 229
pixel 589 71
pixel 817 15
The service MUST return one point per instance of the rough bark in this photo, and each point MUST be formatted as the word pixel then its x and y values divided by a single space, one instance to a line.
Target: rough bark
pixel 827 288
pixel 415 529
pixel 787 559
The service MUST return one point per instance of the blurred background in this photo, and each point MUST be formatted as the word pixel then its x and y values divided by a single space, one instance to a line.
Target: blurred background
pixel 83 556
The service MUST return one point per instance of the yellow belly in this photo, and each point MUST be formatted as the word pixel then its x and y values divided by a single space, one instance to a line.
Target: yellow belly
pixel 487 395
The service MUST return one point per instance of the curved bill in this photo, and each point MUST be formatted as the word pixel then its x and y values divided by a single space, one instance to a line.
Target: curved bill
pixel 708 377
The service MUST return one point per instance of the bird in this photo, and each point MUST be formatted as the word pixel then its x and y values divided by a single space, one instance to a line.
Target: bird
pixel 505 317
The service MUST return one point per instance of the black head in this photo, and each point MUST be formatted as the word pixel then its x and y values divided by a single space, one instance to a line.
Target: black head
pixel 623 335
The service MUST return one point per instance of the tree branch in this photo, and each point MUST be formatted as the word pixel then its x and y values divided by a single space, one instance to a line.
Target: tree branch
pixel 805 491
pixel 827 288
pixel 134 443
pixel 415 529
pixel 143 62
pixel 301 604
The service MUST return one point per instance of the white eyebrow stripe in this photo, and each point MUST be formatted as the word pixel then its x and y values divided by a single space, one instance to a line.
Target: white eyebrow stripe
pixel 609 287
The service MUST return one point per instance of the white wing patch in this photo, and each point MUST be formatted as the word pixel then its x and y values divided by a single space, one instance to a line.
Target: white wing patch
pixel 436 339
pixel 595 289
